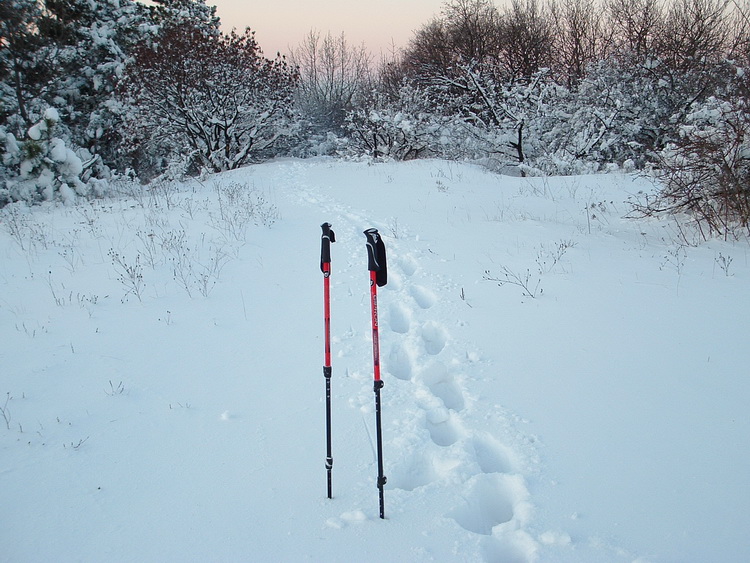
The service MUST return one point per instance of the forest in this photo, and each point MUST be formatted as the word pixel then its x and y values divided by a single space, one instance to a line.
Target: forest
pixel 95 92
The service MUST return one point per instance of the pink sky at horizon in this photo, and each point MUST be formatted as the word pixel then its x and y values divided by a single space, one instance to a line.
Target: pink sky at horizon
pixel 282 24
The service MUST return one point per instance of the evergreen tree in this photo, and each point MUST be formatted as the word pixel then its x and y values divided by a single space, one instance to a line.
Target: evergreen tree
pixel 23 74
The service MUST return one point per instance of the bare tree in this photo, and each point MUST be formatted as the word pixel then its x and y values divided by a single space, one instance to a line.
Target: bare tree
pixel 525 39
pixel 695 33
pixel 513 44
pixel 332 74
pixel 430 52
pixel 741 43
pixel 467 33
pixel 473 29
pixel 634 26
pixel 578 37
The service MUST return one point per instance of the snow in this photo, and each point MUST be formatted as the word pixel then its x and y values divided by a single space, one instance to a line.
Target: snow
pixel 57 150
pixel 35 131
pixel 51 114
pixel 163 399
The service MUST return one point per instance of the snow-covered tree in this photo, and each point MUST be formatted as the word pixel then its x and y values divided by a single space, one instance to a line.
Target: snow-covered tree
pixel 614 115
pixel 193 13
pixel 70 55
pixel 103 35
pixel 211 100
pixel 400 128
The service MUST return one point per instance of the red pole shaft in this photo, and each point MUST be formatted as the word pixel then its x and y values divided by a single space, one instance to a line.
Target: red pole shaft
pixel 375 339
pixel 327 311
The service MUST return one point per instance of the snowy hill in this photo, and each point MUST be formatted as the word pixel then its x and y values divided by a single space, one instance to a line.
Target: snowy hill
pixel 561 383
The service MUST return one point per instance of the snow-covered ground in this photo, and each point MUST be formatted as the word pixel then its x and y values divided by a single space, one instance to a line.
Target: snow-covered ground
pixel 163 398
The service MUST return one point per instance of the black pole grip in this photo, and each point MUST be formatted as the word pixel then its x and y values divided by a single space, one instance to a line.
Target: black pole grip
pixel 376 260
pixel 326 239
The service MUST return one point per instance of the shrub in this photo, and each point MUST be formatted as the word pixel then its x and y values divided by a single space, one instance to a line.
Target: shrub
pixel 706 173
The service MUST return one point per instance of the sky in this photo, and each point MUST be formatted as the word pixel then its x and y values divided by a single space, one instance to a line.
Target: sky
pixel 281 24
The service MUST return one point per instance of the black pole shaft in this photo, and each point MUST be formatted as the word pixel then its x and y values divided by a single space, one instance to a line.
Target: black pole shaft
pixel 381 477
pixel 329 455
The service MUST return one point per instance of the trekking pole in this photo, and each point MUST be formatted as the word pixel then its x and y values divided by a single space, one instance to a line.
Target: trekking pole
pixel 376 263
pixel 325 266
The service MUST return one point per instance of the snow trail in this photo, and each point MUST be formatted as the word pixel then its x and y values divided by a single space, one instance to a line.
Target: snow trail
pixel 429 444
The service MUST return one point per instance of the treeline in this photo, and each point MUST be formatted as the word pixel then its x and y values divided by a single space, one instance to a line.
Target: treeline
pixel 92 90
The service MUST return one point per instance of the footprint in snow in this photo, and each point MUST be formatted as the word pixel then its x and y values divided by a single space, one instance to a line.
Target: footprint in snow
pixel 400 362
pixel 490 500
pixel 399 318
pixel 412 471
pixel 491 455
pixel 443 427
pixel 408 265
pixel 442 384
pixel 424 297
pixel 434 337
pixel 395 282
